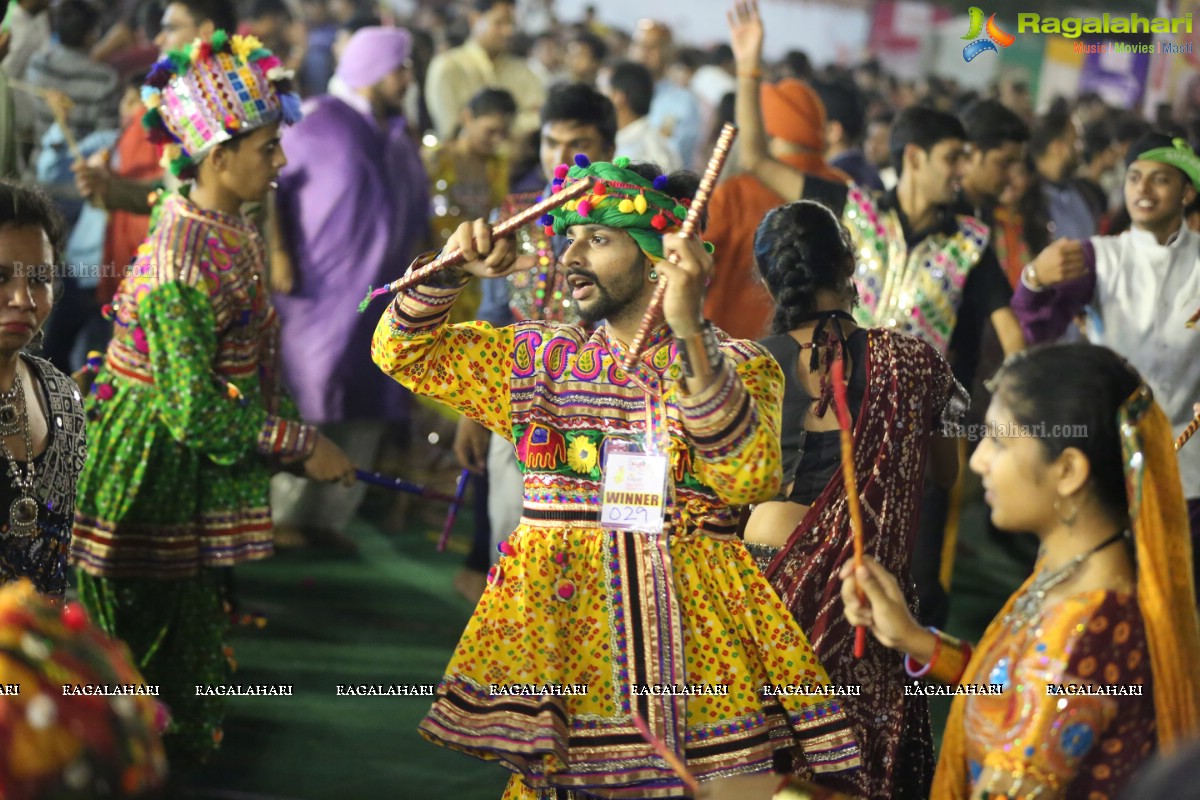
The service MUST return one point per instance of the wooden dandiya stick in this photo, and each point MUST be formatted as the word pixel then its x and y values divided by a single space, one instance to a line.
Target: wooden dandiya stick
pixel 673 761
pixel 59 116
pixel 416 275
pixel 842 407
pixel 709 180
pixel 1188 432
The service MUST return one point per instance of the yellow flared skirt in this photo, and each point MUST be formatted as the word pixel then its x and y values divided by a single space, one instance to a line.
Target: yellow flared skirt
pixel 582 628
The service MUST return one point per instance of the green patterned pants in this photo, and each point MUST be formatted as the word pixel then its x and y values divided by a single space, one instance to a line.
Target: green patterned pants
pixel 175 631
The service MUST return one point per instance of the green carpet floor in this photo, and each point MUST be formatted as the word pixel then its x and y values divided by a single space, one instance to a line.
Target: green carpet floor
pixel 387 614
pixel 384 615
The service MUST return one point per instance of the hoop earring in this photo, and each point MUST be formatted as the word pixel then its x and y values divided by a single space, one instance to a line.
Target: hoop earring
pixel 1069 519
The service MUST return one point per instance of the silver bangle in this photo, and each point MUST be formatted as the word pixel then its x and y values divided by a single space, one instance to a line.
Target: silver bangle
pixel 700 352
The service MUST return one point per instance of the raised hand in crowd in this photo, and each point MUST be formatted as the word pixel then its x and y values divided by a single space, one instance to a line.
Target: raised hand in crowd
pixel 746 35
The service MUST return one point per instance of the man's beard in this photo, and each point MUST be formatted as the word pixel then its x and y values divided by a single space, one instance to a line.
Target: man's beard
pixel 609 301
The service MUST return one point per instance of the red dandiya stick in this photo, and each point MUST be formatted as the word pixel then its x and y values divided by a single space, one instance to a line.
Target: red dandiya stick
pixel 1188 432
pixel 501 229
pixel 660 747
pixel 707 181
pixel 1193 319
pixel 842 406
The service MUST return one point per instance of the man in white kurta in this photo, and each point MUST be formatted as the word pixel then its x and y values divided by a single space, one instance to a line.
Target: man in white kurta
pixel 1141 287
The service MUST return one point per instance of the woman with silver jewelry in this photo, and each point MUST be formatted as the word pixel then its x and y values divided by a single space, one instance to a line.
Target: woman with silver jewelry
pixel 1095 655
pixel 41 416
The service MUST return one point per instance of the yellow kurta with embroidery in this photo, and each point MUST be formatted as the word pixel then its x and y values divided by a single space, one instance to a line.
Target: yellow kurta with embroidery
pixel 681 628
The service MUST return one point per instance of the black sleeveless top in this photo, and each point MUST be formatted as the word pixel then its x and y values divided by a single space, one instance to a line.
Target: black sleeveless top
pixel 42 557
pixel 812 458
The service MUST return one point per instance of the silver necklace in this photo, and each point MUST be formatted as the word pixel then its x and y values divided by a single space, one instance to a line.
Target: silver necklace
pixel 1028 607
pixel 10 419
pixel 23 513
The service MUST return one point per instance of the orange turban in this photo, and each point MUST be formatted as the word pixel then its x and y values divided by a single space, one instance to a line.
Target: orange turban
pixel 793 112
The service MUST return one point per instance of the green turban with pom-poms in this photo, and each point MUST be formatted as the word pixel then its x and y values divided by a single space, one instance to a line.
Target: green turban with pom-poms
pixel 620 199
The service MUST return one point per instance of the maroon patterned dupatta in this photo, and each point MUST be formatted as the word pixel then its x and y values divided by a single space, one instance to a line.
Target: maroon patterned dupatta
pixel 910 394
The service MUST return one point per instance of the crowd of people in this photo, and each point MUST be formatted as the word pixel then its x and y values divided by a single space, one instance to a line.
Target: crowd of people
pixel 672 501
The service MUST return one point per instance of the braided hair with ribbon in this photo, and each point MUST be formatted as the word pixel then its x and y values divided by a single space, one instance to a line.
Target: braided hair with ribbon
pixel 801 249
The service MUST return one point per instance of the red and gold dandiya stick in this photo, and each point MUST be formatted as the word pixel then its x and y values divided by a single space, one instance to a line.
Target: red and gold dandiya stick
pixel 842 406
pixel 660 747
pixel 1188 432
pixel 508 227
pixel 1193 319
pixel 707 181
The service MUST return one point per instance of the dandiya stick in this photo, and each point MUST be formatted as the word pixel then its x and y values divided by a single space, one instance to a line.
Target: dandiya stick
pixel 842 406
pixel 1188 432
pixel 660 747
pixel 459 491
pixel 59 116
pixel 1193 319
pixel 401 485
pixel 709 180
pixel 501 229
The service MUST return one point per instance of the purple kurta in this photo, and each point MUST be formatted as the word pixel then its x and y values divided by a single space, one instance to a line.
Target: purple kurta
pixel 353 204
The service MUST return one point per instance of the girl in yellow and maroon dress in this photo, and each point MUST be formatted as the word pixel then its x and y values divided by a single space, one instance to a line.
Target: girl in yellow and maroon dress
pixel 1096 654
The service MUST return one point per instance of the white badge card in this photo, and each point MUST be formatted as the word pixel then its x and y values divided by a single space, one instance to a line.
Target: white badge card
pixel 635 483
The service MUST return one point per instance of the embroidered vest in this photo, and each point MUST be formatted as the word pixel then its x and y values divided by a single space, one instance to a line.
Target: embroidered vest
pixel 916 292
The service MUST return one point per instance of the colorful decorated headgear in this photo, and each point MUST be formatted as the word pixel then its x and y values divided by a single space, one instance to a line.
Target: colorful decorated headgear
pixel 54 744
pixel 209 92
pixel 621 199
pixel 1179 155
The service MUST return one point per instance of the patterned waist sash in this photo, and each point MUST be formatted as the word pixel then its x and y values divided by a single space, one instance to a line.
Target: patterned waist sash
pixel 589 518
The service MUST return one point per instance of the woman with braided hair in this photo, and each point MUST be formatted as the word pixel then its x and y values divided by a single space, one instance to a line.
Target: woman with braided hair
pixel 904 401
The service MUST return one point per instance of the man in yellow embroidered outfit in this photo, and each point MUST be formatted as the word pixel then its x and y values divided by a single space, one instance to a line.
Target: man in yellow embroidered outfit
pixel 676 626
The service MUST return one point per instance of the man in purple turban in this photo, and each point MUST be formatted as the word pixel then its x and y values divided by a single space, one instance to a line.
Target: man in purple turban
pixel 353 211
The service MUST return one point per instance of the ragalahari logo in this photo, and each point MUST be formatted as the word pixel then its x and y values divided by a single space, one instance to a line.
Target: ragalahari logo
pixel 995 36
